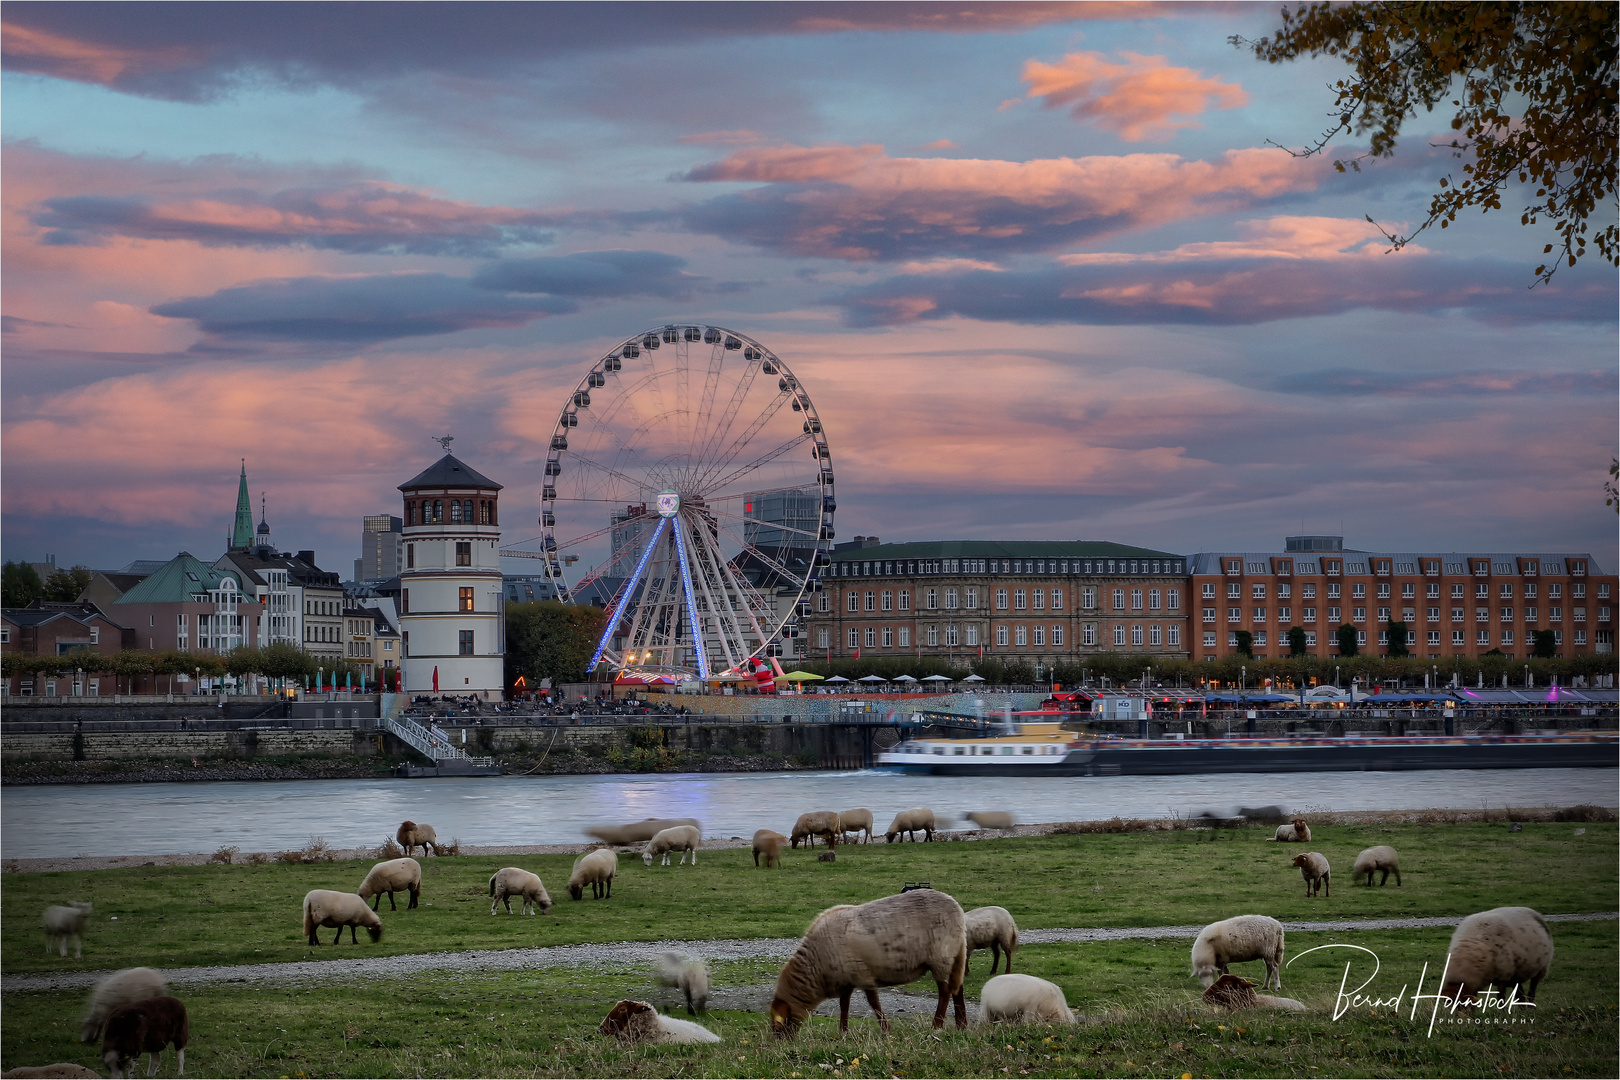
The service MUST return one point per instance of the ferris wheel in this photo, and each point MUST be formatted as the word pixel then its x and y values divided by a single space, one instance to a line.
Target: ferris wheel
pixel 689 487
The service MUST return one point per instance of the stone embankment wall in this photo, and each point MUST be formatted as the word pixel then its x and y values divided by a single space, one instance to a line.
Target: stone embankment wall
pixel 107 746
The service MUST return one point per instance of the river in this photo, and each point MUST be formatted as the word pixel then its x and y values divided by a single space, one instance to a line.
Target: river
pixel 163 819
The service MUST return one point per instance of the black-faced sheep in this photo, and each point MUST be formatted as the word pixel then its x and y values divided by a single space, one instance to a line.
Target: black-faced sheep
pixel 857 822
pixel 1313 867
pixel 61 1070
pixel 885 942
pixel 823 823
pixel 1234 993
pixel 690 977
pixel 638 832
pixel 596 869
pixel 119 988
pixel 1236 940
pixel 1503 947
pixel 1023 999
pixel 633 1022
pixel 145 1027
pixel 391 876
pixel 65 924
pixel 1375 859
pixel 1298 832
pixel 768 844
pixel 323 907
pixel 510 881
pixel 681 838
pixel 999 820
pixel 992 928
pixel 411 835
pixel 910 823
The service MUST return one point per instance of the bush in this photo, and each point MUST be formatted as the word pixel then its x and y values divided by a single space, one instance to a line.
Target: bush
pixel 258 858
pixel 225 855
pixel 390 849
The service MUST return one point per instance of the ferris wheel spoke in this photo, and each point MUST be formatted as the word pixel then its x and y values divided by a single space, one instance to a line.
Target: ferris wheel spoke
pixel 722 431
pixel 809 533
pixel 730 643
pixel 711 386
pixel 758 463
pixel 743 441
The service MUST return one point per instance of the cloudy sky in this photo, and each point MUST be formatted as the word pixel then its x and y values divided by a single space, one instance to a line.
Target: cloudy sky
pixel 1043 268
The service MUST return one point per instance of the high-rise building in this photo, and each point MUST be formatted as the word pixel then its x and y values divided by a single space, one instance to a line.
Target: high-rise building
pixel 630 530
pixel 787 518
pixel 381 547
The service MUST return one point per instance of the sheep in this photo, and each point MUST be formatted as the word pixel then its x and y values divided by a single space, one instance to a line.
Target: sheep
pixel 411 834
pixel 690 977
pixel 1374 859
pixel 638 832
pixel 596 869
pixel 682 838
pixel 64 924
pixel 323 907
pixel 823 823
pixel 638 1022
pixel 857 821
pixel 992 928
pixel 769 844
pixel 1298 832
pixel 119 988
pixel 1233 992
pixel 386 877
pixel 1235 940
pixel 1023 999
pixel 1503 947
pixel 145 1027
pixel 510 881
pixel 61 1070
pixel 886 942
pixel 1313 867
pixel 912 822
pixel 992 819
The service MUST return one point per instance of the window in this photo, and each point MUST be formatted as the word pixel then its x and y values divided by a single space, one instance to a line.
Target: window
pixel 950 599
pixel 1039 597
pixel 1333 591
pixel 1530 592
pixel 1285 614
pixel 1507 614
pixel 1234 614
pixel 1310 638
pixel 1136 599
pixel 1119 634
pixel 1457 637
pixel 1259 614
pixel 1580 637
pixel 410 556
pixel 1358 614
pixel 404 603
pixel 1383 590
pixel 1231 640
pixel 1482 614
pixel 871 637
pixel 463 553
pixel 1483 637
pixel 1580 614
pixel 466 643
pixel 1507 637
pixel 1259 638
pixel 1019 600
pixel 1408 614
pixel 1209 590
pixel 1603 592
pixel 905 637
pixel 1456 592
pixel 1482 592
pixel 888 637
pixel 1408 591
pixel 1020 635
pixel 950 635
pixel 1234 591
pixel 1529 614
pixel 1555 614
pixel 1057 634
pixel 1434 637
pixel 973 633
pixel 466 599
pixel 853 600
pixel 1119 599
pixel 1335 614
pixel 1001 635
pixel 1457 614
pixel 973 599
pixel 1088 634
pixel 1383 637
pixel 822 637
pixel 1209 639
pixel 1154 596
pixel 1358 591
pixel 1136 635
pixel 1039 638
pixel 1578 591
pixel 1284 591
pixel 1558 637
pixel 95 635
pixel 1507 589
pixel 1383 614
pixel 888 599
pixel 1257 591
pixel 871 600
pixel 1361 637
pixel 905 599
pixel 1209 614
pixel 1308 614
pixel 822 603
pixel 1001 599
pixel 1153 635
pixel 1088 598
pixel 1057 599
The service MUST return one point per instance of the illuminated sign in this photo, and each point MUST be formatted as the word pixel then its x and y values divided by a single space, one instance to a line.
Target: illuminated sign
pixel 669 503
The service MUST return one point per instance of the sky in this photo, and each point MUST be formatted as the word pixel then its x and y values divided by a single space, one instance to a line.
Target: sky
pixel 1048 270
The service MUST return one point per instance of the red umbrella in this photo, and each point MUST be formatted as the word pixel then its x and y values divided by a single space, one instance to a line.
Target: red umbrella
pixel 435 678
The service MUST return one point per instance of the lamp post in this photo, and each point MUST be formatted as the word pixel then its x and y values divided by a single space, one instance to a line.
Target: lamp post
pixel 78 681
pixel 197 671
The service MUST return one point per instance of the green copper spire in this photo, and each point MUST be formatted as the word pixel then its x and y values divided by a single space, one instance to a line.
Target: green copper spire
pixel 242 535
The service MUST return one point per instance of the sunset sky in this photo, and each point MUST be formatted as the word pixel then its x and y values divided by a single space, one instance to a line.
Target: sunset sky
pixel 1042 267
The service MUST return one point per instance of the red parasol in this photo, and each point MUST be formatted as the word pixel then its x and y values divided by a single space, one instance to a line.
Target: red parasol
pixel 435 678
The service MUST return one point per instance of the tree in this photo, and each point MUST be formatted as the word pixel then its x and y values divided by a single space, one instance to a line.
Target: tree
pixel 1296 641
pixel 1532 86
pixel 1397 640
pixel 20 585
pixel 1347 640
pixel 1545 646
pixel 1611 486
pixel 64 586
pixel 546 639
pixel 1245 643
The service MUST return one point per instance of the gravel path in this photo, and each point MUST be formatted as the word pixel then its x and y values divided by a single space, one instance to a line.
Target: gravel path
pixel 642 954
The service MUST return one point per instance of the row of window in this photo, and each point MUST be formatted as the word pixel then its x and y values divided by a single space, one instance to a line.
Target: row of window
pixel 461 512
pixel 464 600
pixel 1019 599
pixel 1458 638
pixel 463 554
pixel 1016 636
pixel 321 607
pixel 1383 567
pixel 1358 591
pixel 1359 614
pixel 909 567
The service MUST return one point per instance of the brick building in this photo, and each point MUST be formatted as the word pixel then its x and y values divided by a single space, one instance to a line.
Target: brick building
pixel 54 629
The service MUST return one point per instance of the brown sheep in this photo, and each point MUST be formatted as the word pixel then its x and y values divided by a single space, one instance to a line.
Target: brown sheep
pixel 911 822
pixel 1313 867
pixel 769 844
pixel 1298 832
pixel 323 907
pixel 411 834
pixel 633 1022
pixel 857 821
pixel 147 1027
pixel 823 823
pixel 119 988
pixel 61 1070
pixel 886 942
pixel 389 877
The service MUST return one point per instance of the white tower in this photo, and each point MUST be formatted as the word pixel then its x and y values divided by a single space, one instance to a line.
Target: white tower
pixel 452 612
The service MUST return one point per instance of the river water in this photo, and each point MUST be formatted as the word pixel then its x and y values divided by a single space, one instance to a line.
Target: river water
pixel 161 819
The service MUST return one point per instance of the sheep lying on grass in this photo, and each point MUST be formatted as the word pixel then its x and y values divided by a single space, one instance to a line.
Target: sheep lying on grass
pixel 681 838
pixel 1233 992
pixel 634 1022
pixel 885 942
pixel 1313 867
pixel 510 881
pixel 1374 859
pixel 768 844
pixel 116 990
pixel 857 822
pixel 1503 947
pixel 145 1027
pixel 1298 832
pixel 823 823
pixel 65 924
pixel 999 820
pixel 690 977
pixel 391 876
pixel 1023 999
pixel 323 907
pixel 411 835
pixel 61 1070
pixel 912 822
pixel 596 869
pixel 638 832
pixel 1236 940
pixel 992 928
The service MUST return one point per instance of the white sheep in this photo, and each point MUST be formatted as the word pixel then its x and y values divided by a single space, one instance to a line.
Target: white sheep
pixel 61 1070
pixel 596 869
pixel 1023 999
pixel 119 988
pixel 323 907
pixel 638 1022
pixel 1313 867
pixel 147 1027
pixel 911 822
pixel 510 881
pixel 857 821
pixel 65 924
pixel 1503 947
pixel 992 928
pixel 690 977
pixel 1374 859
pixel 1236 940
pixel 998 820
pixel 395 875
pixel 637 832
pixel 823 823
pixel 1298 832
pixel 682 838
pixel 1234 993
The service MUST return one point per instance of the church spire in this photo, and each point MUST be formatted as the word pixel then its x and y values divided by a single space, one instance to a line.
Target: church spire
pixel 242 534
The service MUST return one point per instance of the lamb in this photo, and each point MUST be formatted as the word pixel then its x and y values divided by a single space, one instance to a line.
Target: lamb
pixel 411 834
pixel 1374 859
pixel 64 924
pixel 119 988
pixel 682 838
pixel 387 877
pixel 992 819
pixel 1503 947
pixel 510 881
pixel 992 928
pixel 638 832
pixel 1023 999
pixel 1313 867
pixel 857 821
pixel 1234 993
pixel 1298 832
pixel 61 1070
pixel 912 822
pixel 769 844
pixel 323 907
pixel 145 1027
pixel 638 1022
pixel 823 823
pixel 886 942
pixel 1235 940
pixel 596 869
pixel 690 977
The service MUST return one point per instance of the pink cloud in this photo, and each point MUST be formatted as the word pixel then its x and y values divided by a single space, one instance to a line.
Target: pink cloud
pixel 1136 98
pixel 938 144
pixel 740 137
pixel 1281 237
pixel 86 61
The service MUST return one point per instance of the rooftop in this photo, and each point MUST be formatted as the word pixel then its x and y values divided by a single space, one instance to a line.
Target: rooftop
pixel 449 472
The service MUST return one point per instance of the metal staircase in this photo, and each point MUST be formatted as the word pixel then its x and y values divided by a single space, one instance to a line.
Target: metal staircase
pixel 430 741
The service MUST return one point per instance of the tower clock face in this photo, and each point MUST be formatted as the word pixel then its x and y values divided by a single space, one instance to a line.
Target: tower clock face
pixel 669 503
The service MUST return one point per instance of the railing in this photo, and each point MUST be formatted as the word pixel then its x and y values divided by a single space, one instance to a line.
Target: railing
pixel 429 741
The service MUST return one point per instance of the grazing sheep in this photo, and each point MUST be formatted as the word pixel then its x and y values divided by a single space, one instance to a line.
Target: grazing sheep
pixel 119 988
pixel 1023 999
pixel 1313 867
pixel 1503 947
pixel 1234 993
pixel 824 823
pixel 638 832
pixel 411 834
pixel 1298 832
pixel 911 822
pixel 145 1027
pixel 682 838
pixel 1235 940
pixel 510 881
pixel 768 844
pixel 885 942
pixel 1374 859
pixel 992 819
pixel 857 821
pixel 596 869
pixel 323 907
pixel 65 924
pixel 690 977
pixel 387 877
pixel 61 1070
pixel 992 928
pixel 638 1022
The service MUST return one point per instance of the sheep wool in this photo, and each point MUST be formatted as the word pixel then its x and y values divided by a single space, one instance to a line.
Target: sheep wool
pixel 633 1022
pixel 1235 941
pixel 911 822
pixel 596 869
pixel 857 822
pixel 116 990
pixel 145 1027
pixel 395 875
pixel 1375 859
pixel 768 844
pixel 411 835
pixel 823 823
pixel 323 907
pixel 682 838
pixel 1313 867
pixel 1298 832
pixel 1503 947
pixel 510 881
pixel 1023 999
pixel 992 928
